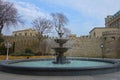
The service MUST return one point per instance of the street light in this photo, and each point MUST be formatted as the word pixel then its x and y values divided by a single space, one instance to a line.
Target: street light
pixel 7 45
pixel 102 46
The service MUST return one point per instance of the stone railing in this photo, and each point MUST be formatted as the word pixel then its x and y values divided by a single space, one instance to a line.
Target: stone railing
pixel 112 32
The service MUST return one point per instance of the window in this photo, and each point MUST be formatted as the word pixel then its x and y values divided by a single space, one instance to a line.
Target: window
pixel 113 38
pixel 20 34
pixel 30 34
pixel 105 38
pixel 94 34
pixel 25 34
pixel 15 34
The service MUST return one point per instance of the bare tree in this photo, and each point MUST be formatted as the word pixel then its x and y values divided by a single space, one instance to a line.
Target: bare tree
pixel 59 20
pixel 42 26
pixel 8 15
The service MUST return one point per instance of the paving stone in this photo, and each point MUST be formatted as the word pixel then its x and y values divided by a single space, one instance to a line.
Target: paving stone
pixel 9 76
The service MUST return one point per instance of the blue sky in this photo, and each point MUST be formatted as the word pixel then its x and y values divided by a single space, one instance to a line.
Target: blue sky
pixel 83 15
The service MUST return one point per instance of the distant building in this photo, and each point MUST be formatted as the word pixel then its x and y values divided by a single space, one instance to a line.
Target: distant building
pixel 112 23
pixel 98 31
pixel 113 20
pixel 72 36
pixel 26 32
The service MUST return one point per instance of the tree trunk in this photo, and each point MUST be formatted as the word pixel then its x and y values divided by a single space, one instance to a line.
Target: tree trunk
pixel 40 50
pixel 1 27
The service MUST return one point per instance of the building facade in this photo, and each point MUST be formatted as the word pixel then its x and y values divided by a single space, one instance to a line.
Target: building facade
pixel 113 20
pixel 98 31
pixel 26 32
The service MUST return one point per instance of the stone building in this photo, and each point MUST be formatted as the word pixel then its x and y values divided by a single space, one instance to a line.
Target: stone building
pixel 98 31
pixel 111 38
pixel 113 20
pixel 26 32
pixel 111 43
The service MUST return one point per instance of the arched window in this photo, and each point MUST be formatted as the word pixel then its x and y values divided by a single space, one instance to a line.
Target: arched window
pixel 113 38
pixel 94 34
pixel 30 34
pixel 105 38
pixel 15 35
pixel 25 34
pixel 20 34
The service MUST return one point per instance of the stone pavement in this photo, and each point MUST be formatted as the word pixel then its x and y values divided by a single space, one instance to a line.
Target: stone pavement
pixel 9 76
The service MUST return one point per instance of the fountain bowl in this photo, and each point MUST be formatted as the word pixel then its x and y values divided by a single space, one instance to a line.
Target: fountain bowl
pixel 60 49
pixel 11 67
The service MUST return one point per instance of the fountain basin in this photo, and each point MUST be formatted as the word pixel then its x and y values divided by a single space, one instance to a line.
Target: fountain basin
pixel 46 68
pixel 60 49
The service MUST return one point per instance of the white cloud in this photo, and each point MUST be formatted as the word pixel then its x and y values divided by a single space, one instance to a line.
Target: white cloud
pixel 29 11
pixel 90 8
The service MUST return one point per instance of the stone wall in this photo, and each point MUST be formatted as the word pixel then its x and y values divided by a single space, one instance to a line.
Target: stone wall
pixel 82 46
pixel 85 47
pixel 21 43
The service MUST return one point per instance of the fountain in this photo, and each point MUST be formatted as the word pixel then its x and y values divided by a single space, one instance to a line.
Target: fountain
pixel 60 58
pixel 61 65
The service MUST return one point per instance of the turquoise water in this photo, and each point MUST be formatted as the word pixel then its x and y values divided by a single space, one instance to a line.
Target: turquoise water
pixel 49 64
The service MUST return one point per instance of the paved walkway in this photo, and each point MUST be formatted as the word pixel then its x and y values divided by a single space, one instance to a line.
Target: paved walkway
pixel 9 76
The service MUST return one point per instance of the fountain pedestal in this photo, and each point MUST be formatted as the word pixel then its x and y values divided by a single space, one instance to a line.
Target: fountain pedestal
pixel 60 58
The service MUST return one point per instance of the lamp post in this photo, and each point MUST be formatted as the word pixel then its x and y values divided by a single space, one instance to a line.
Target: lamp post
pixel 102 46
pixel 7 45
